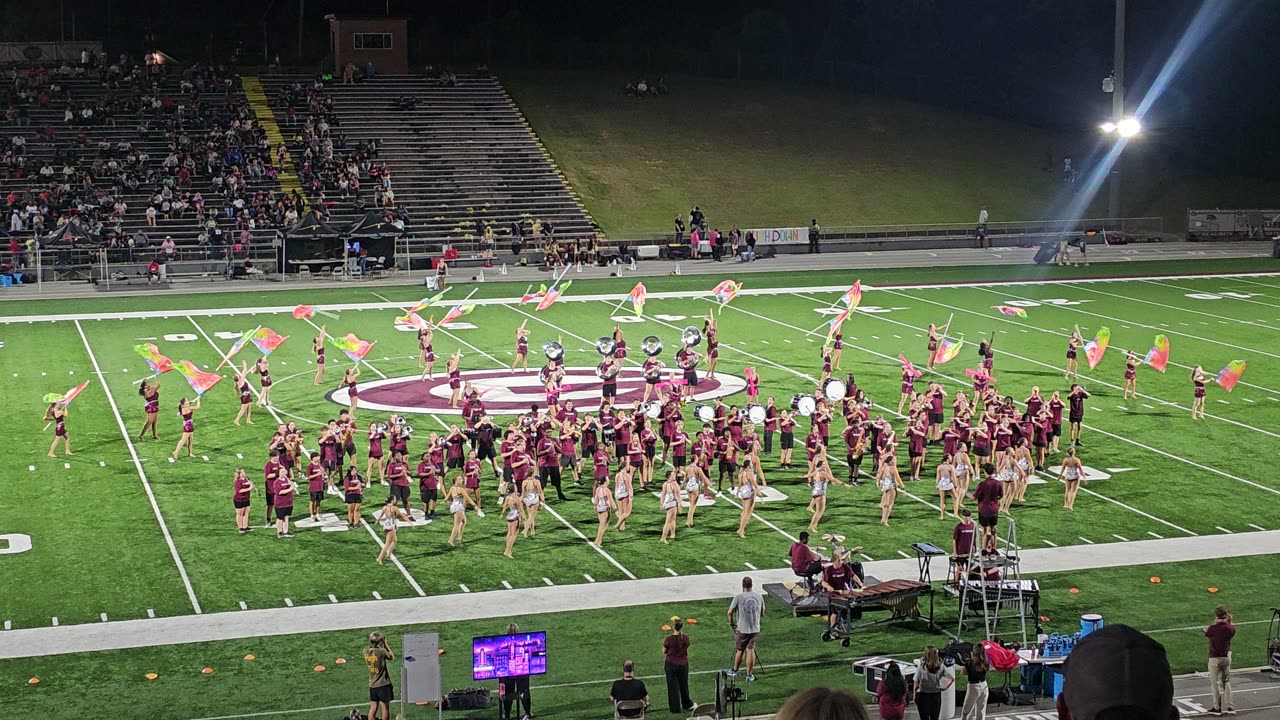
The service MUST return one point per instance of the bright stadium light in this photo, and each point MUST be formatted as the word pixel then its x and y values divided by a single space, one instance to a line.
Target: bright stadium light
pixel 1129 127
pixel 1108 127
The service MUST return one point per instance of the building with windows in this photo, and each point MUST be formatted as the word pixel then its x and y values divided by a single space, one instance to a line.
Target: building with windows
pixel 384 41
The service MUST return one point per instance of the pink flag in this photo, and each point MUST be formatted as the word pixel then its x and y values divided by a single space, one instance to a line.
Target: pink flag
pixel 1158 356
pixel 199 380
pixel 853 296
pixel 908 367
pixel 1011 311
pixel 1230 375
pixel 266 340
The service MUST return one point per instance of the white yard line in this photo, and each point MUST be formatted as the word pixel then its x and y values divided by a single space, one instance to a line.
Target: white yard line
pixel 142 474
pixel 394 560
pixel 1251 301
pixel 435 609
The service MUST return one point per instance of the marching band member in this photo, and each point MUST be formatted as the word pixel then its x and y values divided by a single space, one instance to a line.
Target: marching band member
pixel 603 501
pixel 696 482
pixel 687 360
pixel 1073 345
pixel 1071 473
pixel 458 508
pixel 317 347
pixel 353 495
pixel 240 499
pixel 1198 379
pixel 888 480
pixel 388 517
pixel 376 435
pixel 712 335
pixel 946 483
pixel 623 489
pixel 522 347
pixel 513 509
pixel 818 486
pixel 186 411
pixel 151 409
pixel 263 368
pixel 426 353
pixel 652 373
pixel 455 377
pixel 1130 376
pixel 747 490
pixel 933 347
pixel 669 500
pixel 242 388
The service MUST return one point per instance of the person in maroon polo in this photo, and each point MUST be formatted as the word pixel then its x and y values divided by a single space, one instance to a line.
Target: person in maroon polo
pixel 1220 634
pixel 988 494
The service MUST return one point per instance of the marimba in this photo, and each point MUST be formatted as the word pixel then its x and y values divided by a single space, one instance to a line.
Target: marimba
pixel 899 597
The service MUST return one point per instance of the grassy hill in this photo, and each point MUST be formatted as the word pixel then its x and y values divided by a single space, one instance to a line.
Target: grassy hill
pixel 755 155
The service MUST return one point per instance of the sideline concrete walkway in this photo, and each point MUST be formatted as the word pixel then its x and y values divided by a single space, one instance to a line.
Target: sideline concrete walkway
pixel 474 606
pixel 783 263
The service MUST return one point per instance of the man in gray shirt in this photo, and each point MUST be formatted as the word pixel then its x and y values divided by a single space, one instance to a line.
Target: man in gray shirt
pixel 748 606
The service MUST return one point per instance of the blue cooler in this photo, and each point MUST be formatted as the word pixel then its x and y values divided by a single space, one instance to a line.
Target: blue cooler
pixel 1089 623
pixel 6 281
pixel 1053 678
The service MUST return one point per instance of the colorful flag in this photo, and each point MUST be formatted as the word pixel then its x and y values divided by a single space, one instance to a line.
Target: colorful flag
pixel 427 302
pixel 157 362
pixel 68 396
pixel 531 296
pixel 552 295
pixel 1230 375
pixel 199 380
pixel 947 350
pixel 245 339
pixel 1094 349
pixel 303 312
pixel 1011 311
pixel 1158 356
pixel 637 298
pixel 456 312
pixel 413 320
pixel 853 296
pixel 727 290
pixel 908 367
pixel 837 321
pixel 979 375
pixel 354 347
pixel 266 340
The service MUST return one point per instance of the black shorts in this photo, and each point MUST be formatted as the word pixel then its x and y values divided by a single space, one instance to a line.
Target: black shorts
pixel 678 461
pixel 317 495
pixel 913 454
pixel 383 694
pixel 484 452
pixel 401 493
pixel 568 461
pixel 620 451
pixel 1075 419
pixel 350 450
pixel 985 520
pixel 508 474
pixel 787 441
pixel 240 504
pixel 454 463
pixel 271 499
pixel 1040 443
pixel 283 512
pixel 589 450
pixel 429 494
pixel 935 418
pixel 982 451
pixel 609 390
pixel 728 467
pixel 353 498
pixel 691 378
pixel 328 464
pixel 650 451
pixel 1057 431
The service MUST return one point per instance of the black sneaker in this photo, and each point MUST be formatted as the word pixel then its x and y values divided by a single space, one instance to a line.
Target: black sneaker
pixel 288 534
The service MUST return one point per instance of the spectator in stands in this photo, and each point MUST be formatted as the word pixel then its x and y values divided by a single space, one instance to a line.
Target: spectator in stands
pixel 153 271
pixel 1117 672
pixel 629 689
pixel 168 248
pixel 369 70
pixel 822 703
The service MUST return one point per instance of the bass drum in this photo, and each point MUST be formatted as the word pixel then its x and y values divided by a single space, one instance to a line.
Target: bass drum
pixel 833 389
pixel 804 405
pixel 755 414
pixel 705 413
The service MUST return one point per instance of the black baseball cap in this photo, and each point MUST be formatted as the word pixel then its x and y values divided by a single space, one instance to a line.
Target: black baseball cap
pixel 1117 668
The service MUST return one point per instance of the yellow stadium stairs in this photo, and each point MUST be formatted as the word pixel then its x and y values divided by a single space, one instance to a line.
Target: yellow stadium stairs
pixel 287 176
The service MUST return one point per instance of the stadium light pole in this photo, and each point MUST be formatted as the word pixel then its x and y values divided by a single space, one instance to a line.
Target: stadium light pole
pixel 1117 107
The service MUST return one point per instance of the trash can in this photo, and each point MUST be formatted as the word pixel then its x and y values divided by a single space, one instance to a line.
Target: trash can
pixel 1090 622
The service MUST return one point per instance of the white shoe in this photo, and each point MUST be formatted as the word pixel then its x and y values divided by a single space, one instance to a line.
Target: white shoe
pixel 479 513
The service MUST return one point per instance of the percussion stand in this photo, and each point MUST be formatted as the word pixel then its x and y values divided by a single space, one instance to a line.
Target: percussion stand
pixel 925 552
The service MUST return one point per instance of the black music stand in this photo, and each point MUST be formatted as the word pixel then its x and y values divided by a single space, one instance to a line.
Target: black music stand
pixel 925 552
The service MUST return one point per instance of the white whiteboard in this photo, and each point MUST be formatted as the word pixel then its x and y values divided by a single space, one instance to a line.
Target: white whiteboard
pixel 420 674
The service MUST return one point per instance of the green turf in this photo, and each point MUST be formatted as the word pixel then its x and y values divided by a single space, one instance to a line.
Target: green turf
pixel 107 553
pixel 273 294
pixel 587 648
pixel 797 153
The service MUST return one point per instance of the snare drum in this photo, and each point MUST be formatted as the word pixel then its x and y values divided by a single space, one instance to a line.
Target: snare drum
pixel 804 405
pixel 705 413
pixel 755 414
pixel 833 389
pixel 652 409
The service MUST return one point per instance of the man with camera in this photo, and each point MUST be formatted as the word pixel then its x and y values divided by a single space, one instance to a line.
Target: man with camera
pixel 748 606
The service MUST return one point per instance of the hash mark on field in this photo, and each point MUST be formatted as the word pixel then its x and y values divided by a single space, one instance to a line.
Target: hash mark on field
pixel 8 625
pixel 44 374
pixel 1224 529
pixel 376 595
pixel 204 458
pixel 66 466
pixel 288 602
pixel 1257 527
pixel 1155 535
pixel 464 588
pixel 1086 540
pixel 750 566
pixel 1224 402
pixel 1050 544
pixel 711 568
pixel 1248 401
pixel 1121 538
pixel 244 605
pixel 875 337
pixel 506 584
pixel 102 463
pixel 55 622
pixel 151 612
pixel 673 573
pixel 239 456
pixel 1203 322
pixel 588 577
pixel 333 599
pixel 547 581
pixel 1121 407
pixel 904 554
pixel 1149 407
pixel 32 468
pixel 867 557
pixel 766 342
pixel 103 616
pixel 172 460
pixel 786 341
pixel 898 336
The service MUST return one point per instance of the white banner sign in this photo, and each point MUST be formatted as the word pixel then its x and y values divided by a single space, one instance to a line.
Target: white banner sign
pixel 780 236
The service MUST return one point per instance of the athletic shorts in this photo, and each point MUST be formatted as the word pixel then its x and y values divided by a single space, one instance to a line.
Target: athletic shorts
pixel 678 461
pixel 317 495
pixel 913 454
pixel 982 451
pixel 985 520
pixel 486 453
pixel 508 474
pixel 353 498
pixel 454 463
pixel 1075 418
pixel 691 378
pixel 744 641
pixel 283 512
pixel 429 494
pixel 935 418
pixel 728 467
pixel 609 391
pixel 1057 430
pixel 240 504
pixel 788 441
pixel 568 461
pixel 383 694
pixel 328 464
pixel 401 493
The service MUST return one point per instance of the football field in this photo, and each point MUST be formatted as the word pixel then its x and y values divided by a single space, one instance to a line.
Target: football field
pixel 119 531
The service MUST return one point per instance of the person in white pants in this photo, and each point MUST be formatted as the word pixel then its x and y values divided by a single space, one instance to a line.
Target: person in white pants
pixel 1220 634
pixel 975 697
